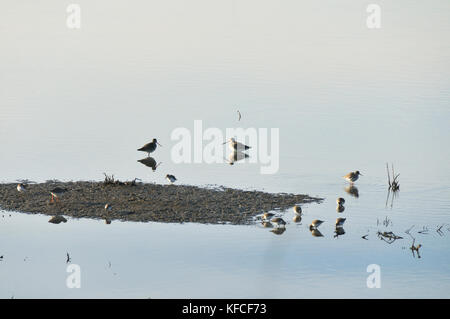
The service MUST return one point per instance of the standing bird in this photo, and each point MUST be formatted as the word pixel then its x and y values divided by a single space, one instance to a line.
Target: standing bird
pixel 352 176
pixel 171 178
pixel 278 221
pixel 297 210
pixel 108 207
pixel 21 187
pixel 267 216
pixel 340 201
pixel 149 147
pixel 340 222
pixel 57 193
pixel 236 146
pixel 315 223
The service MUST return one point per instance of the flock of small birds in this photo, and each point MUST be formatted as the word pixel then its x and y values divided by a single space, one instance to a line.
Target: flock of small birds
pixel 269 218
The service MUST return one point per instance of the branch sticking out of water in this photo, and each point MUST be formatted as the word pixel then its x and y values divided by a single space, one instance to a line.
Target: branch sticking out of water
pixel 394 185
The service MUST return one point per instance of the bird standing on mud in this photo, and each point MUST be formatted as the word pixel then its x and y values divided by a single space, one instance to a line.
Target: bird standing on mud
pixel 57 193
pixel 352 176
pixel 171 178
pixel 149 147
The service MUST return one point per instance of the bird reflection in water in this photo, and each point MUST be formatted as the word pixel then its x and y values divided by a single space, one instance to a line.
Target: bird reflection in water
pixel 266 224
pixel 278 230
pixel 236 156
pixel 352 190
pixel 316 233
pixel 149 162
pixel 339 231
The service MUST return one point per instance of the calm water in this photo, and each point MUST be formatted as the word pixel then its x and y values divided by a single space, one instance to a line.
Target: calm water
pixel 77 103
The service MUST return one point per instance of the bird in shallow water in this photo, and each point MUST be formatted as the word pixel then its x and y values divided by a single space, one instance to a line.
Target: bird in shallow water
pixel 278 221
pixel 149 147
pixel 340 222
pixel 297 210
pixel 57 193
pixel 340 208
pixel 236 146
pixel 267 215
pixel 352 176
pixel 315 223
pixel 340 201
pixel 297 219
pixel 21 187
pixel 171 178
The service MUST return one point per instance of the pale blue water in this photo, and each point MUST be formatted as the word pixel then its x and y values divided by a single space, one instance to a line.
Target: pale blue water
pixel 77 103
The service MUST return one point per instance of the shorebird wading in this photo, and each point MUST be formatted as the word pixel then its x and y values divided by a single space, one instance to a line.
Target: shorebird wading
pixel 278 221
pixel 297 210
pixel 315 223
pixel 236 146
pixel 149 147
pixel 340 222
pixel 352 176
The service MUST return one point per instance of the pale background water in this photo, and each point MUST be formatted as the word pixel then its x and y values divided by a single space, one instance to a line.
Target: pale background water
pixel 77 103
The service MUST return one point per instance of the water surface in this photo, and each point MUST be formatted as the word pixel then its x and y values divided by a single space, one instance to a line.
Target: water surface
pixel 77 103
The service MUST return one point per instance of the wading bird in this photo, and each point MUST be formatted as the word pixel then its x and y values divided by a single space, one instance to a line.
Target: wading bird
pixel 149 147
pixel 352 176
pixel 315 223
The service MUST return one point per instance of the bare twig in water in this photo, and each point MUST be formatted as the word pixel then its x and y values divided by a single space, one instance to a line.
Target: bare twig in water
pixel 394 185
pixel 68 259
pixel 388 237
pixel 239 113
pixel 365 237
pixel 439 230
pixel 424 230
pixel 408 230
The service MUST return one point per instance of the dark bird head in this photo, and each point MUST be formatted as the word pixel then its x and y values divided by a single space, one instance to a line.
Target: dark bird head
pixel 358 173
pixel 155 141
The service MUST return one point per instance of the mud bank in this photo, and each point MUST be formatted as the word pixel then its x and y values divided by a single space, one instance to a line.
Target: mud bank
pixel 144 202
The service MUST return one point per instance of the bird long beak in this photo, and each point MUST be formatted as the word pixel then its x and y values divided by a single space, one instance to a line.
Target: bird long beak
pixel 158 144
